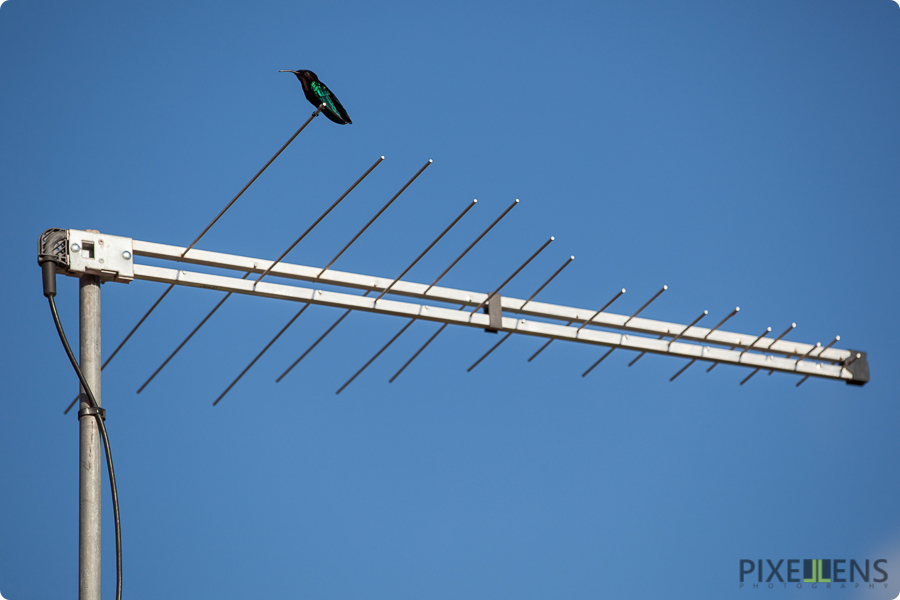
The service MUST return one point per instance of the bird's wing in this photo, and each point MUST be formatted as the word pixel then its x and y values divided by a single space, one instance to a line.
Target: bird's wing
pixel 324 95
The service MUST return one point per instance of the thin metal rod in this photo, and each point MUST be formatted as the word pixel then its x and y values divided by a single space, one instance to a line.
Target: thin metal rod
pixel 405 271
pixel 805 356
pixel 472 245
pixel 786 331
pixel 89 470
pixel 510 278
pixel 378 214
pixel 197 239
pixel 263 351
pixel 768 329
pixel 127 337
pixel 418 352
pixel 694 322
pixel 605 306
pixel 249 183
pixel 139 323
pixel 591 368
pixel 851 360
pixel 664 288
pixel 801 381
pixel 425 251
pixel 316 343
pixel 638 357
pixel 377 354
pixel 383 348
pixel 486 354
pixel 441 276
pixel 189 336
pixel 646 304
pixel 551 278
pixel 433 283
pixel 736 310
pixel 278 260
pixel 836 339
pixel 593 316
pixel 753 343
pixel 541 349
pixel 530 298
pixel 319 220
pixel 495 292
pixel 683 369
pixel 366 226
pixel 747 378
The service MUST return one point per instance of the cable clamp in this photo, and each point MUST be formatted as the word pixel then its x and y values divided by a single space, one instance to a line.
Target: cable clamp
pixel 90 411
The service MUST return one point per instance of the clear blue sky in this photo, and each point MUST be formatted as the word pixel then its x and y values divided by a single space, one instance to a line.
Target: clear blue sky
pixel 744 153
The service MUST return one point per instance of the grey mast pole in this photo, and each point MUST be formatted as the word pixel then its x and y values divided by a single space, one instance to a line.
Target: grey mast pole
pixel 89 445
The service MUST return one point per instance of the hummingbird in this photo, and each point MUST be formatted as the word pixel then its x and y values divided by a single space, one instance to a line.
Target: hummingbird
pixel 318 93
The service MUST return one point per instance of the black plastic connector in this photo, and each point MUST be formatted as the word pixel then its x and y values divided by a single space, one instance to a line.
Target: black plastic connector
pixel 858 365
pixel 53 252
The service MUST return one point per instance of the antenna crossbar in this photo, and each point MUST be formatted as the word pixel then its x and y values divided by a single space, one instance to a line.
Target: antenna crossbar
pixel 627 332
pixel 472 299
pixel 627 341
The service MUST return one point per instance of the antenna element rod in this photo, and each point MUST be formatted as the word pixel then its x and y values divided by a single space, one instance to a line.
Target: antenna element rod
pixel 266 166
pixel 263 351
pixel 646 304
pixel 319 220
pixel 433 283
pixel 189 336
pixel 593 316
pixel 425 251
pixel 472 245
pixel 530 298
pixel 378 214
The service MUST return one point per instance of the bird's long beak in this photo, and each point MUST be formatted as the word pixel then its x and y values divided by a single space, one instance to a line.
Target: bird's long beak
pixel 287 71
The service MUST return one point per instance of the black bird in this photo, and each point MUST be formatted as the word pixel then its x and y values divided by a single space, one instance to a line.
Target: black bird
pixel 318 93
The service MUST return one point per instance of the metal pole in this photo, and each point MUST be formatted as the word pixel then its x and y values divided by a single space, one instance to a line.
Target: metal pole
pixel 89 445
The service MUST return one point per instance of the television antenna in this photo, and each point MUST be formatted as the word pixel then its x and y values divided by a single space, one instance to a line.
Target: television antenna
pixel 96 257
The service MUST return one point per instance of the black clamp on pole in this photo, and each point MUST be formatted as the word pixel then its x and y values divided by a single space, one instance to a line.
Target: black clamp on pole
pixel 90 411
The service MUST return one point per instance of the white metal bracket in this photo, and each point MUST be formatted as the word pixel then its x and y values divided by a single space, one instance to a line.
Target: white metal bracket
pixel 111 257
pixel 494 310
